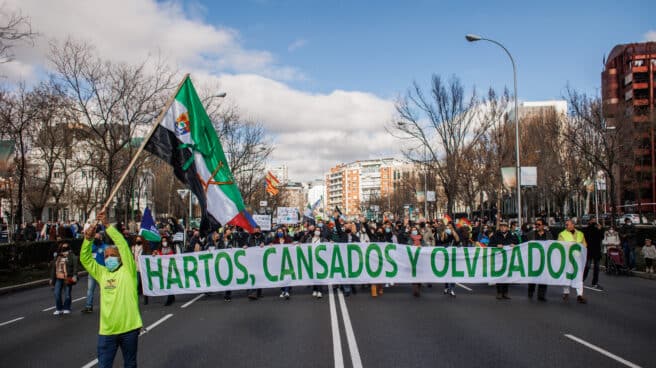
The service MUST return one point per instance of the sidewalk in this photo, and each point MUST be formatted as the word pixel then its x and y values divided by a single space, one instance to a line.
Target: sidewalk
pixel 32 284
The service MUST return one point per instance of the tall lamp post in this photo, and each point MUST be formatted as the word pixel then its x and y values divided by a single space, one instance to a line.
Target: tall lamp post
pixel 474 38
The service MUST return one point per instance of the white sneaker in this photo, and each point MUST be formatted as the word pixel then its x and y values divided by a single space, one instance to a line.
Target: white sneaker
pixel 446 291
pixel 282 295
pixel 286 295
pixel 314 294
pixel 453 293
pixel 319 296
pixel 66 311
pixel 56 313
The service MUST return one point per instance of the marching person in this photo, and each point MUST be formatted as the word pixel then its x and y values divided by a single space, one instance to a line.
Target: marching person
pixel 594 235
pixel 570 234
pixel 538 233
pixel 63 276
pixel 450 238
pixel 503 237
pixel 282 238
pixel 120 320
pixel 98 249
pixel 256 239
pixel 138 249
pixel 165 250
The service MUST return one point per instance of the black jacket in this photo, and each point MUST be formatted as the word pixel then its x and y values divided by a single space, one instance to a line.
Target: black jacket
pixel 593 237
pixel 506 238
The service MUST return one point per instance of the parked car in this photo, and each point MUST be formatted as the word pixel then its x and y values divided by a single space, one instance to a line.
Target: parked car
pixel 634 217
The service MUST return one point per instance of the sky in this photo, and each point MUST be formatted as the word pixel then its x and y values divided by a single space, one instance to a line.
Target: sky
pixel 322 77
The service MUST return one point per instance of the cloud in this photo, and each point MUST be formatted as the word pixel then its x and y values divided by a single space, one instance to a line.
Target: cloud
pixel 311 132
pixel 130 31
pixel 650 36
pixel 296 45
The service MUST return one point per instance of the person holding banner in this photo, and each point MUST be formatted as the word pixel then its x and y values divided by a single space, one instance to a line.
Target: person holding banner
pixel 282 238
pixel 256 239
pixel 165 250
pixel 120 319
pixel 503 237
pixel 539 233
pixel 570 234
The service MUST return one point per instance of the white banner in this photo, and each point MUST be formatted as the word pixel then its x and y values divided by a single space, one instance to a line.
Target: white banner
pixel 287 215
pixel 544 262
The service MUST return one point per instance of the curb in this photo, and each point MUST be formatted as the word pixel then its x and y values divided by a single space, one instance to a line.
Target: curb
pixel 31 284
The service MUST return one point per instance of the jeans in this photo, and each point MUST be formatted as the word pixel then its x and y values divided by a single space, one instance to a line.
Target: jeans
pixel 60 286
pixel 109 344
pixel 91 288
pixel 449 286
pixel 629 256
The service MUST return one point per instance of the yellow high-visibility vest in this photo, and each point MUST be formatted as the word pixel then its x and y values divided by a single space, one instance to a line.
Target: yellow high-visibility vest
pixel 576 237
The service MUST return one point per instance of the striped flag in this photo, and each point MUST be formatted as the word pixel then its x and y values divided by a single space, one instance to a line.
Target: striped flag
pixel 272 184
pixel 185 138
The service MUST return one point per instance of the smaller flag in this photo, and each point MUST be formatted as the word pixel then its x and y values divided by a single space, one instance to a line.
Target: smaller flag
pixel 272 184
pixel 148 230
pixel 463 221
pixel 446 219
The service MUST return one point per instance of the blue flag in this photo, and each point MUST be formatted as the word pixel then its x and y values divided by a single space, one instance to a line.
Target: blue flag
pixel 148 229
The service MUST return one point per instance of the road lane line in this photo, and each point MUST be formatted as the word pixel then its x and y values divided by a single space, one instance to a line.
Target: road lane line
pixel 593 289
pixel 334 326
pixel 464 287
pixel 350 336
pixel 602 351
pixel 72 301
pixel 157 323
pixel 12 321
pixel 185 305
pixel 144 331
pixel 91 363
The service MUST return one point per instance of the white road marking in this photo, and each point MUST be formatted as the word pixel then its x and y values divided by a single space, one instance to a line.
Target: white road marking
pixel 334 326
pixel 464 287
pixel 185 305
pixel 602 351
pixel 146 330
pixel 91 364
pixel 157 323
pixel 593 289
pixel 72 301
pixel 350 336
pixel 12 321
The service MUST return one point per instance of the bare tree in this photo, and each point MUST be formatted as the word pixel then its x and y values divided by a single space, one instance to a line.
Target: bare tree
pixel 112 99
pixel 14 28
pixel 603 143
pixel 445 125
pixel 16 121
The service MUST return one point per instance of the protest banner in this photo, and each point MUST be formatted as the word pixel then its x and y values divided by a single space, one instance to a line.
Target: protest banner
pixel 263 221
pixel 540 262
pixel 287 215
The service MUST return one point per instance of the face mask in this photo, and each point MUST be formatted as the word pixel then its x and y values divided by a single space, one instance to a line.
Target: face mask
pixel 139 242
pixel 279 235
pixel 320 224
pixel 65 250
pixel 165 244
pixel 414 232
pixel 448 231
pixel 348 231
pixel 317 233
pixel 388 230
pixel 112 263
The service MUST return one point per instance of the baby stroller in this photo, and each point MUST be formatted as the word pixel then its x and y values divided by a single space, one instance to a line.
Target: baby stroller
pixel 616 262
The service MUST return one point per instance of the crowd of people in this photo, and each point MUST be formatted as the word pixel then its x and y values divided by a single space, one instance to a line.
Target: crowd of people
pixel 338 229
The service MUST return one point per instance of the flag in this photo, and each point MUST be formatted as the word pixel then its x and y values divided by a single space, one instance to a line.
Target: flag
pixel 272 183
pixel 446 219
pixel 186 139
pixel 463 221
pixel 148 230
pixel 310 208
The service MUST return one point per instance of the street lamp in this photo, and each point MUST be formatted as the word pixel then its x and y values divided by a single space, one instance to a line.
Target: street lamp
pixel 473 38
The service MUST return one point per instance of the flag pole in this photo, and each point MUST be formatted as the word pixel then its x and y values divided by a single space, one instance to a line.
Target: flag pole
pixel 143 144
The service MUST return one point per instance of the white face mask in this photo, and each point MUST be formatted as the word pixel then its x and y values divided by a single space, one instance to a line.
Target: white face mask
pixel 165 245
pixel 317 233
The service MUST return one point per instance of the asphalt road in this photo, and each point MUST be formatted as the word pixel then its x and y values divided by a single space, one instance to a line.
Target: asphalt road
pixel 615 329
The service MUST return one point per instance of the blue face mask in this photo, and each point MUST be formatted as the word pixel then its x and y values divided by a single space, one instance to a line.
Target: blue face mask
pixel 279 235
pixel 414 232
pixel 112 263
pixel 388 230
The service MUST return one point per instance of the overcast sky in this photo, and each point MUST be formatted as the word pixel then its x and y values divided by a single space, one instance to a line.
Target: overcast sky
pixel 322 77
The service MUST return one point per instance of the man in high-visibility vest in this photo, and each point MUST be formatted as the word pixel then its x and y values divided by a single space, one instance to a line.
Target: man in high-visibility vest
pixel 570 234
